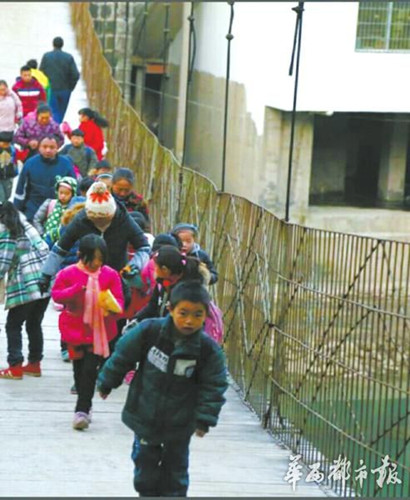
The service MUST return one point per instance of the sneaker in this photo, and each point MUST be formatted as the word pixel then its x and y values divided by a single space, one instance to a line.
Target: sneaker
pixel 12 372
pixel 32 369
pixel 65 356
pixel 73 390
pixel 81 421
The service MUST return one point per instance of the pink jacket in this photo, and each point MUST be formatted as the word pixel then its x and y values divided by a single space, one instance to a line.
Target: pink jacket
pixel 68 289
pixel 11 111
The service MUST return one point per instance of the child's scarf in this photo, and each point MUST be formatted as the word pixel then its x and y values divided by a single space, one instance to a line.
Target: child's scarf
pixel 54 219
pixel 93 314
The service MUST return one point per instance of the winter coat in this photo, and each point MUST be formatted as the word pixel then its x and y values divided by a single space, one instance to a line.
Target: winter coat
pixel 204 257
pixel 83 157
pixel 30 129
pixel 179 387
pixel 43 80
pixel 11 111
pixel 134 202
pixel 37 181
pixel 22 258
pixel 30 94
pixel 122 231
pixel 69 290
pixel 93 137
pixel 61 70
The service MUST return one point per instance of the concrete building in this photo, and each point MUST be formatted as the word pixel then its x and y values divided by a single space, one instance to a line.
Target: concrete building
pixel 352 125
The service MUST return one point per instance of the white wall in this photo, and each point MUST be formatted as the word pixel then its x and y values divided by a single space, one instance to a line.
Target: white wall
pixel 333 76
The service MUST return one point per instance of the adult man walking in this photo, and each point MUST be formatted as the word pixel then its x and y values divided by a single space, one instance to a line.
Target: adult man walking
pixel 37 179
pixel 61 70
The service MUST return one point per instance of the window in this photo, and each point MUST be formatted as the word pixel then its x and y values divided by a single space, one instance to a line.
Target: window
pixel 383 26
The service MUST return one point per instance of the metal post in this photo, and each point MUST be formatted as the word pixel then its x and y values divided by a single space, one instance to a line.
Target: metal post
pixel 296 45
pixel 127 15
pixel 105 25
pixel 114 63
pixel 165 74
pixel 144 63
pixel 229 37
pixel 191 60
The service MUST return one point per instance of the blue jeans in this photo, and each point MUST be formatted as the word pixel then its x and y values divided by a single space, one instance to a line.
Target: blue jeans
pixel 58 103
pixel 32 313
pixel 161 469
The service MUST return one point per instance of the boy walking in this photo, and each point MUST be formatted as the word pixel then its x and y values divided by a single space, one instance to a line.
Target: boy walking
pixel 178 391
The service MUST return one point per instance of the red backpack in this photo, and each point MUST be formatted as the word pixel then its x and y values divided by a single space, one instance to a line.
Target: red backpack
pixel 214 326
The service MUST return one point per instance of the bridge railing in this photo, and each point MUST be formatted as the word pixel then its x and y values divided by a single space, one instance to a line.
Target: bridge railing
pixel 317 322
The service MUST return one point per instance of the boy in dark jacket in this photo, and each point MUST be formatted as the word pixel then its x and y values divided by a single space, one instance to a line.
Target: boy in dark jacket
pixel 187 233
pixel 179 389
pixel 8 165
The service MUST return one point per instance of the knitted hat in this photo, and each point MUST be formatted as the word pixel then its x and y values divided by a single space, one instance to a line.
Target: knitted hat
pixel 67 182
pixel 100 202
pixel 185 226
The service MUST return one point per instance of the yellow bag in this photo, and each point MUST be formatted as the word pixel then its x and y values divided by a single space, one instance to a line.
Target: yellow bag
pixel 108 302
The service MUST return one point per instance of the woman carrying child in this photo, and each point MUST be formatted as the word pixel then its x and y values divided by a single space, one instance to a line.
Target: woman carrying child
pixel 89 321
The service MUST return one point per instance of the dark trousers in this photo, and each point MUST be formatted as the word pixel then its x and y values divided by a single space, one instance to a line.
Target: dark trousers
pixel 85 377
pixel 32 314
pixel 59 100
pixel 161 469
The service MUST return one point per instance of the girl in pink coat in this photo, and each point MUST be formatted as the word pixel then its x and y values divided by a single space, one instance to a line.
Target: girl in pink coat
pixel 88 323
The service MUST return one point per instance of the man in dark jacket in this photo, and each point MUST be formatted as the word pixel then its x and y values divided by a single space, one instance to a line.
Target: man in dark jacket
pixel 178 391
pixel 37 180
pixel 61 70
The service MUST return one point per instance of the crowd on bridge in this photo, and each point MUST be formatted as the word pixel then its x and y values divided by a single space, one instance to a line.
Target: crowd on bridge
pixel 134 306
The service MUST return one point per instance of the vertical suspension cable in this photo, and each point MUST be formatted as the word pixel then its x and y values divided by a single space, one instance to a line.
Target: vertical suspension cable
pixel 113 62
pixel 191 62
pixel 165 73
pixel 144 57
pixel 127 15
pixel 229 37
pixel 105 25
pixel 296 48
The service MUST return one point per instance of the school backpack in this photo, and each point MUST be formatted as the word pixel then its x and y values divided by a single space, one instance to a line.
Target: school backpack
pixel 214 326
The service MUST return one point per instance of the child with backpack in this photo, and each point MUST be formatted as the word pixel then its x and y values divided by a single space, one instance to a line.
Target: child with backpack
pixel 188 233
pixel 88 321
pixel 179 390
pixel 47 219
pixel 170 267
pixel 83 157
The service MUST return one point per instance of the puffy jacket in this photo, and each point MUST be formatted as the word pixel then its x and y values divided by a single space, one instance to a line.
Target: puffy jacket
pixel 179 387
pixel 30 94
pixel 22 258
pixel 37 181
pixel 11 111
pixel 122 231
pixel 93 137
pixel 61 69
pixel 68 289
pixel 30 129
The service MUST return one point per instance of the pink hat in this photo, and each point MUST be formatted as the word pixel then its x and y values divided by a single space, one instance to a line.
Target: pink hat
pixel 100 201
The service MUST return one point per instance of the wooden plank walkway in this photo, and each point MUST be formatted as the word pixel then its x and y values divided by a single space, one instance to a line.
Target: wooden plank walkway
pixel 42 455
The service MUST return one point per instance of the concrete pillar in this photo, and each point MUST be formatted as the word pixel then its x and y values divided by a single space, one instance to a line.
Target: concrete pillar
pixel 302 165
pixel 393 158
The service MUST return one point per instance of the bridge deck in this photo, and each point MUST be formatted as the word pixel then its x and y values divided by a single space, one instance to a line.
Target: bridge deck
pixel 42 455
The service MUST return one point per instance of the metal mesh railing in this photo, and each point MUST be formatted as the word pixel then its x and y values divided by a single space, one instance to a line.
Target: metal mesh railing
pixel 317 322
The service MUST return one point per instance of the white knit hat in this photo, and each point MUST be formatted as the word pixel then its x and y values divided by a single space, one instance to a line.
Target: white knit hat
pixel 100 201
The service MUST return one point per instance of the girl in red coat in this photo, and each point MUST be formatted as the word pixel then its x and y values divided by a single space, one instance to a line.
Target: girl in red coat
pixel 92 123
pixel 88 321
